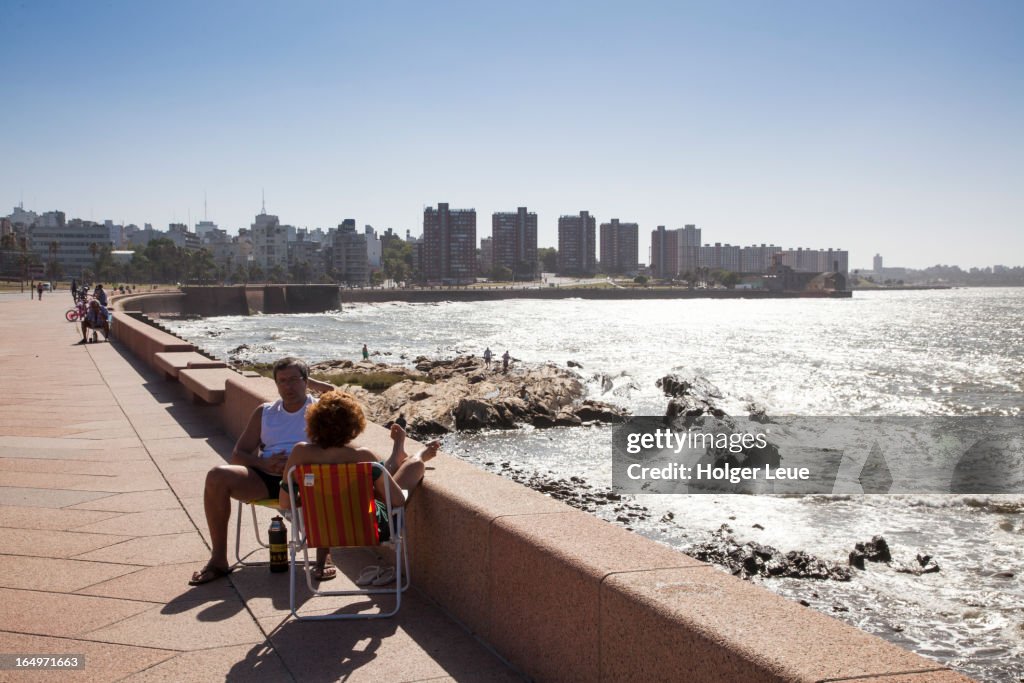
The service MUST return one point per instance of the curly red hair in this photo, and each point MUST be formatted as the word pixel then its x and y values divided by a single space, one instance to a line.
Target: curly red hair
pixel 335 419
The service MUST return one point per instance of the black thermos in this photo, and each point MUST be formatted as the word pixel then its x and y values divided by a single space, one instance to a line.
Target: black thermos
pixel 278 545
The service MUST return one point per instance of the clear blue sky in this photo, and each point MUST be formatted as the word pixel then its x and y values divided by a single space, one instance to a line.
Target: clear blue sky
pixel 895 127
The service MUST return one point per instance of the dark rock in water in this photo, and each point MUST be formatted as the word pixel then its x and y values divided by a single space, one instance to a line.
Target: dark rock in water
pixel 758 413
pixel 805 603
pixel 690 398
pixel 574 364
pixel 589 411
pixel 875 550
pixel 756 559
pixel 677 387
pixel 856 559
pixel 429 428
pixel 925 565
pixel 1004 575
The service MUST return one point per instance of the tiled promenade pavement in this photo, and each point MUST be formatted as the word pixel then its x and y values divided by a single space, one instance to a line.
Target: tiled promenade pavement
pixel 101 473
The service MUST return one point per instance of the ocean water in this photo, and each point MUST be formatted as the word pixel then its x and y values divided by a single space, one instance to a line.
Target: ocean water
pixel 914 353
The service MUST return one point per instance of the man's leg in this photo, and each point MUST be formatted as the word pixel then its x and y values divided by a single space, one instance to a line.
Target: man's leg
pixel 224 483
pixel 85 327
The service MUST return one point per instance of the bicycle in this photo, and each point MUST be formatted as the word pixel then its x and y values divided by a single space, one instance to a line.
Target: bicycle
pixel 77 313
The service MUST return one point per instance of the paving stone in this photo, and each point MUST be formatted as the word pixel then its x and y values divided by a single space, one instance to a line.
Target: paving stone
pixel 131 502
pixel 63 614
pixel 149 523
pixel 152 550
pixel 55 543
pixel 49 518
pixel 165 583
pixel 103 661
pixel 62 576
pixel 238 662
pixel 46 498
pixel 185 625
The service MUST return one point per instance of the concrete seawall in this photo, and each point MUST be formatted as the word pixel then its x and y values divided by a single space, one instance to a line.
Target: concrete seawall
pixel 568 597
pixel 250 299
pixel 551 293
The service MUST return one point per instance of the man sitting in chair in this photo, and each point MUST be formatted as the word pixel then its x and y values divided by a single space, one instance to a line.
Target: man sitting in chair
pixel 257 461
pixel 96 318
pixel 332 424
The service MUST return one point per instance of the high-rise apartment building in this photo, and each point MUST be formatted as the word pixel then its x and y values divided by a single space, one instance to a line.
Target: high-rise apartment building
pixel 620 247
pixel 576 244
pixel 758 259
pixel 720 256
pixel 515 242
pixel 876 264
pixel 815 260
pixel 351 264
pixel 269 243
pixel 486 262
pixel 448 254
pixel 675 252
pixel 664 253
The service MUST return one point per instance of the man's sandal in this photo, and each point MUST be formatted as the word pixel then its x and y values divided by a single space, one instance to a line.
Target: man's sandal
pixel 207 574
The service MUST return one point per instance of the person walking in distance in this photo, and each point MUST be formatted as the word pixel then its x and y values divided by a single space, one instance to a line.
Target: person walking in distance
pixel 505 358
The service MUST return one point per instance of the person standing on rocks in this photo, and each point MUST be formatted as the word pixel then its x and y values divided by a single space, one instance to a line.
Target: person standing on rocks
pixel 488 356
pixel 366 353
pixel 504 361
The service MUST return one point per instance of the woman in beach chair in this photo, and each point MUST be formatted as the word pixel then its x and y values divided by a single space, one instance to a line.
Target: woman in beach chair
pixel 331 425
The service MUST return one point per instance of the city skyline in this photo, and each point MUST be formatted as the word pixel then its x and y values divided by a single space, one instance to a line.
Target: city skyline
pixel 870 128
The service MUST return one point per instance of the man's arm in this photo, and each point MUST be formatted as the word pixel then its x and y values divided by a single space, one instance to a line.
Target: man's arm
pixel 247 448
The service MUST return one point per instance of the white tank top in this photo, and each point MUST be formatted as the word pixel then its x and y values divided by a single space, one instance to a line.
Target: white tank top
pixel 281 430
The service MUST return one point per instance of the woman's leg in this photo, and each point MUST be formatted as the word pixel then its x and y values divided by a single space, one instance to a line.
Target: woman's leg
pixel 411 471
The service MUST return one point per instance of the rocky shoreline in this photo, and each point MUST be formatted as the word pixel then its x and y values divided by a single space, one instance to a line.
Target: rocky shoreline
pixel 438 397
pixel 465 393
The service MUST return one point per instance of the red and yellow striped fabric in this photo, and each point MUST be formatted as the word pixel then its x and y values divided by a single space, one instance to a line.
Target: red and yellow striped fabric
pixel 338 508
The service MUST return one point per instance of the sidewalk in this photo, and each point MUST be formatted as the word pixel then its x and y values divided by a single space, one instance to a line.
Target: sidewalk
pixel 102 465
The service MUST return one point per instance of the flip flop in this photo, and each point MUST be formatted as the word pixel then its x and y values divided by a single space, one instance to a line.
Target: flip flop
pixel 368 575
pixel 207 574
pixel 386 576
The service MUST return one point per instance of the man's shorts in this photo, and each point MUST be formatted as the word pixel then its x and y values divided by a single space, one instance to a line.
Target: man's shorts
pixel 272 481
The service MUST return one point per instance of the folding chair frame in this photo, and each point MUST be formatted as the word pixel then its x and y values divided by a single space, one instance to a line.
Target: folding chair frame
pixel 240 560
pixel 396 516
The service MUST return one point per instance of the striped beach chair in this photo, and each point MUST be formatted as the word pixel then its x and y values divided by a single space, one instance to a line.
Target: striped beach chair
pixel 338 510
